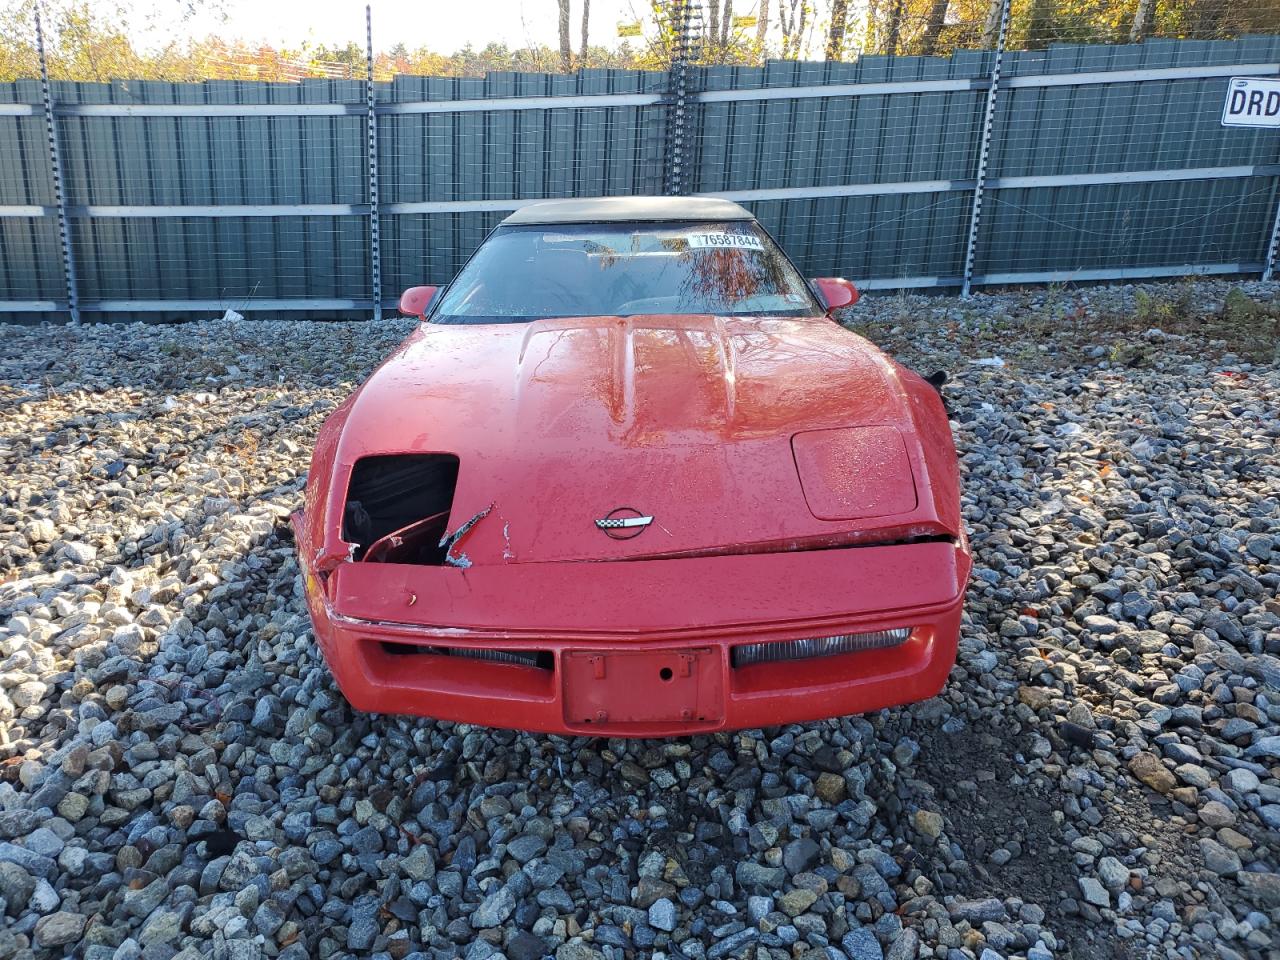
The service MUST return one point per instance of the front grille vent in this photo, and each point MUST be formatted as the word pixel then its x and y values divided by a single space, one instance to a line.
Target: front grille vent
pixel 779 650
pixel 524 658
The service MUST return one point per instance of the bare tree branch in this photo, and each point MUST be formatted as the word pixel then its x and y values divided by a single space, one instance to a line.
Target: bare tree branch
pixel 566 49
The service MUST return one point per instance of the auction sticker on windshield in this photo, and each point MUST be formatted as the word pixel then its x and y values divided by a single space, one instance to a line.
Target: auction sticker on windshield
pixel 724 241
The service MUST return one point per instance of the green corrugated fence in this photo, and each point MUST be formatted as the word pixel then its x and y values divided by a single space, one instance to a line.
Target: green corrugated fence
pixel 187 199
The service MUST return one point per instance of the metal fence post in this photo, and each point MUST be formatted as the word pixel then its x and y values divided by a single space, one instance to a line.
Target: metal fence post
pixel 55 168
pixel 1268 265
pixel 679 93
pixel 371 126
pixel 984 151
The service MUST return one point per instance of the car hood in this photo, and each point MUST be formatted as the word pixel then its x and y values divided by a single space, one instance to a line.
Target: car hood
pixel 688 419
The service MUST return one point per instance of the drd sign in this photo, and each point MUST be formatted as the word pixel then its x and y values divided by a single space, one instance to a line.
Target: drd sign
pixel 1252 103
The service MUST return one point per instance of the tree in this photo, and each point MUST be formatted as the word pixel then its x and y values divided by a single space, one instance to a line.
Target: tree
pixel 792 15
pixel 933 28
pixel 566 50
pixel 722 45
pixel 871 41
pixel 835 33
pixel 1142 20
pixel 92 40
pixel 991 30
pixel 1040 24
pixel 719 28
pixel 893 30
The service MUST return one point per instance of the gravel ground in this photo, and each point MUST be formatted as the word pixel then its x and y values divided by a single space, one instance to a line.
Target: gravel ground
pixel 1100 778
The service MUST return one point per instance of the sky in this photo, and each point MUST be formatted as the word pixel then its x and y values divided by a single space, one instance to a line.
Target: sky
pixel 439 25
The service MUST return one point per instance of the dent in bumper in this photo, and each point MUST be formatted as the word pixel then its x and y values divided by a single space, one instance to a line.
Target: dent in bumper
pixel 567 610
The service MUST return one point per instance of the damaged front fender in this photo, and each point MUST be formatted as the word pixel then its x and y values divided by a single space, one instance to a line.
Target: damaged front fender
pixel 449 541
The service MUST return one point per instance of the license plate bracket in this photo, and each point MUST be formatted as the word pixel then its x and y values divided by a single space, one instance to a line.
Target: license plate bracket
pixel 662 686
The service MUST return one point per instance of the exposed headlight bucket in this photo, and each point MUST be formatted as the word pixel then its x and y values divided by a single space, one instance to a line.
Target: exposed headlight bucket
pixel 750 653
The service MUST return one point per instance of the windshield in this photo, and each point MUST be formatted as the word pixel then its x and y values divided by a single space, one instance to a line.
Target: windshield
pixel 524 273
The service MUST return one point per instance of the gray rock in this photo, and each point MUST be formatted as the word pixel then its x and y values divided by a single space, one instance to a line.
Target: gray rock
pixel 18 822
pixel 1193 774
pixel 363 929
pixel 163 926
pixel 366 840
pixel 1262 888
pixel 1216 814
pixel 578 951
pixel 758 878
pixel 16 887
pixel 730 945
pixel 861 944
pixel 44 842
pixel 976 912
pixel 800 855
pixel 522 945
pixel 905 947
pixel 29 861
pixel 758 908
pixel 1218 858
pixel 140 902
pixel 267 716
pixel 1265 747
pixel 419 865
pixel 1113 874
pixel 1093 892
pixel 1240 781
pixel 59 929
pixel 494 909
pixel 525 847
pixel 44 899
pixel 268 918
pixel 662 915
pixel 79 552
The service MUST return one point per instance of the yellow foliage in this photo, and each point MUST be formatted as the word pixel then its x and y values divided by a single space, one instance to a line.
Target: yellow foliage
pixel 91 41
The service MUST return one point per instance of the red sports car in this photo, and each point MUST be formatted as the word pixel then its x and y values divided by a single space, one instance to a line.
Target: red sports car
pixel 629 478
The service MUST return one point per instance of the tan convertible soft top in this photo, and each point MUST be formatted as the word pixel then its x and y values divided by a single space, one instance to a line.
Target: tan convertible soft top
pixel 623 209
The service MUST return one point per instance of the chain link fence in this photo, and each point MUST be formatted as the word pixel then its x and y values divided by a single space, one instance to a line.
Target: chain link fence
pixel 1013 158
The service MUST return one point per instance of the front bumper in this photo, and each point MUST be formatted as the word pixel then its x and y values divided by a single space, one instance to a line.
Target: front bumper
pixel 640 648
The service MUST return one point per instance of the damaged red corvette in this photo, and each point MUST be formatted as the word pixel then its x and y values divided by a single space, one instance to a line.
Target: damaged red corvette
pixel 629 478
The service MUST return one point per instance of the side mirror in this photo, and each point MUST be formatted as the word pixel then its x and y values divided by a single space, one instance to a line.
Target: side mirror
pixel 836 292
pixel 415 300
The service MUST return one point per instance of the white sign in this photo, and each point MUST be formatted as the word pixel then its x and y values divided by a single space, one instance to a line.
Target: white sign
pixel 1252 103
pixel 724 241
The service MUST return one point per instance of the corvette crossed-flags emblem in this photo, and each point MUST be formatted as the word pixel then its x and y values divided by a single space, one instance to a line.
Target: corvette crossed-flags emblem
pixel 623 523
pixel 614 523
